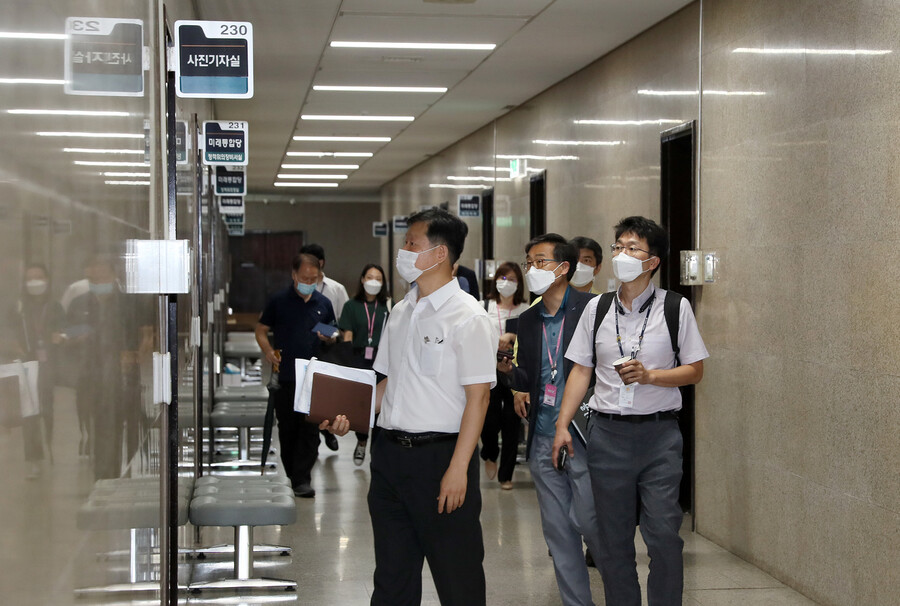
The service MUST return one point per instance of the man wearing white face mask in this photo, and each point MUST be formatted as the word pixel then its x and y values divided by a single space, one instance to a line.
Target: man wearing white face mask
pixel 544 332
pixel 438 352
pixel 590 258
pixel 635 444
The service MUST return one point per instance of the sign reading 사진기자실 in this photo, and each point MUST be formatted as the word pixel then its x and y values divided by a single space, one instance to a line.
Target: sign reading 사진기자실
pixel 224 142
pixel 104 57
pixel 215 59
pixel 230 181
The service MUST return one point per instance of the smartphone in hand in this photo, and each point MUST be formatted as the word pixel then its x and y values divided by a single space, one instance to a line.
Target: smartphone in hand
pixel 562 458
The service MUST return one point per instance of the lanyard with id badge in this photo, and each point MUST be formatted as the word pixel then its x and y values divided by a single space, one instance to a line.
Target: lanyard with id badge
pixel 626 392
pixel 370 326
pixel 550 389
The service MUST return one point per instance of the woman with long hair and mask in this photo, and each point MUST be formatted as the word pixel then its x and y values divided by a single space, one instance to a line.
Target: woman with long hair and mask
pixel 362 320
pixel 504 302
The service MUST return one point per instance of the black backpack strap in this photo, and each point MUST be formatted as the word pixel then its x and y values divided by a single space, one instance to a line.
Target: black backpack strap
pixel 671 310
pixel 603 304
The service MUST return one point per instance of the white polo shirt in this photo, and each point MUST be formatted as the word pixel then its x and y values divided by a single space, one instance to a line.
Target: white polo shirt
pixel 335 292
pixel 431 349
pixel 655 353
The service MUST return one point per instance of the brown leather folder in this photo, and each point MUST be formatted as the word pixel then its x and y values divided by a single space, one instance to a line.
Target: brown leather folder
pixel 333 396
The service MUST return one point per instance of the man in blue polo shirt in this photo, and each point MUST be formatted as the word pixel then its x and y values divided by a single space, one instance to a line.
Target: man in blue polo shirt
pixel 291 315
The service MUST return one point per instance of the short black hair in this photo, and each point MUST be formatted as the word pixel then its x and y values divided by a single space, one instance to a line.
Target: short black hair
pixel 301 259
pixel 443 228
pixel 562 250
pixel 382 295
pixel 315 250
pixel 657 238
pixel 580 242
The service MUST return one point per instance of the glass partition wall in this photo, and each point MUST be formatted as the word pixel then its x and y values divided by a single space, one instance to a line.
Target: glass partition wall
pixel 87 447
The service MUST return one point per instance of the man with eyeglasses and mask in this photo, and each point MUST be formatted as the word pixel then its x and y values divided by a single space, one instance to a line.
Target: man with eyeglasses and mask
pixel 438 352
pixel 635 444
pixel 545 329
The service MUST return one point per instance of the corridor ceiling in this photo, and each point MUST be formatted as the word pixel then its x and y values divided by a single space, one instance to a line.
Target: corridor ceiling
pixel 538 43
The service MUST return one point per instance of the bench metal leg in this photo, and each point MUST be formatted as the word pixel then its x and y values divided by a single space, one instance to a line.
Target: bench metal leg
pixel 243 568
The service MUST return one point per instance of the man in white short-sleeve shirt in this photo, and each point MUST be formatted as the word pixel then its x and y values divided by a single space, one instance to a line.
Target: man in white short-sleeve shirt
pixel 438 352
pixel 635 444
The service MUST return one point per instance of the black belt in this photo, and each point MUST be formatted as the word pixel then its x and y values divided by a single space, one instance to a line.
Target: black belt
pixel 656 416
pixel 408 440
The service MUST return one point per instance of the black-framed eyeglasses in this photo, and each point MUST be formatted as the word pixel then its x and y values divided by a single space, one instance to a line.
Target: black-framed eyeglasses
pixel 539 263
pixel 628 250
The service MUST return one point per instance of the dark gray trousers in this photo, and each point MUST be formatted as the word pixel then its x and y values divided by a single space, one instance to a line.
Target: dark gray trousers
pixel 626 460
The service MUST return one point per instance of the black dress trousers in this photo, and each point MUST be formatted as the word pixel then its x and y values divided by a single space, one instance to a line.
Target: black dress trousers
pixel 299 440
pixel 403 504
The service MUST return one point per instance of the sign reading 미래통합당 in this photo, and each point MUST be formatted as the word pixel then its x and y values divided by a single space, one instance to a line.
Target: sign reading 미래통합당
pixel 224 142
pixel 231 205
pixel 104 57
pixel 230 181
pixel 215 59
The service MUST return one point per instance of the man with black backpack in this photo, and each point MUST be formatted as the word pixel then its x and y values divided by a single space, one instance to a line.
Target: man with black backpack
pixel 639 344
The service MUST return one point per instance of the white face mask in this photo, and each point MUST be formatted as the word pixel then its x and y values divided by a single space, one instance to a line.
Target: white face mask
pixel 628 268
pixel 583 274
pixel 507 288
pixel 36 287
pixel 539 280
pixel 406 264
pixel 372 287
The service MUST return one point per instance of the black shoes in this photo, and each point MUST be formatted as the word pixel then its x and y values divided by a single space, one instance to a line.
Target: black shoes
pixel 330 440
pixel 304 491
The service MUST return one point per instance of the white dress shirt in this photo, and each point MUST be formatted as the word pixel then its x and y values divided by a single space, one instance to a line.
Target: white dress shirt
pixel 430 350
pixel 500 318
pixel 335 292
pixel 655 353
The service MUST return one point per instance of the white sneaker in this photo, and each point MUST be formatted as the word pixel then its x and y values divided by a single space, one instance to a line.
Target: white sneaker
pixel 359 453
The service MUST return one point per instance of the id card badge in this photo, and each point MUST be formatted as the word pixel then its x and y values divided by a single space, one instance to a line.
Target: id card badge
pixel 370 353
pixel 550 395
pixel 626 396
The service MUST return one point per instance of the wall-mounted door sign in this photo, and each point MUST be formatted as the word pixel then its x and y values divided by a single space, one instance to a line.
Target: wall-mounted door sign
pixel 230 181
pixel 468 205
pixel 215 59
pixel 379 229
pixel 182 143
pixel 224 142
pixel 231 205
pixel 104 57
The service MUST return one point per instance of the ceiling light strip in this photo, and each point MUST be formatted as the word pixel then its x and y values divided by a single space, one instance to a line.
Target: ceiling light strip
pixel 90 135
pixel 31 81
pixel 31 36
pixel 98 163
pixel 306 184
pixel 323 166
pixel 335 118
pixel 811 51
pixel 347 139
pixel 656 121
pixel 591 143
pixel 412 45
pixel 66 112
pixel 301 176
pixel 331 154
pixel 381 89
pixel 94 150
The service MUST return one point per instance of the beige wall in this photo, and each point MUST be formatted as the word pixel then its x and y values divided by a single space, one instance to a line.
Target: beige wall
pixel 344 229
pixel 797 417
pixel 798 452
